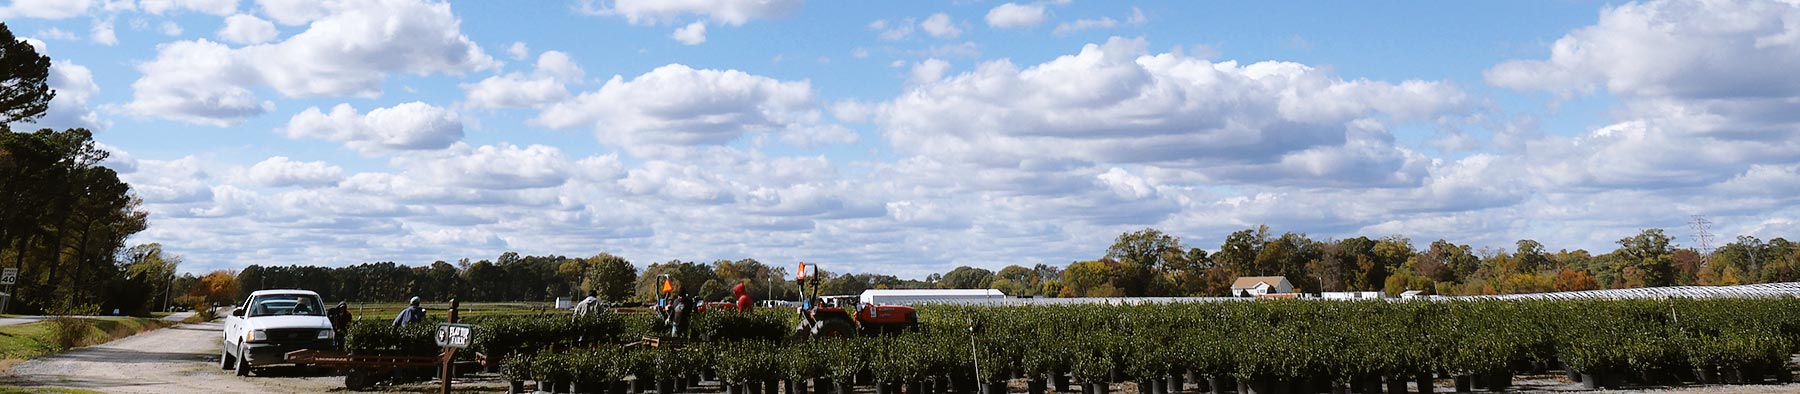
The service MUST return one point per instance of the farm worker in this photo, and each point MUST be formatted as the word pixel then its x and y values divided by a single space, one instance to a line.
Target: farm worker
pixel 340 322
pixel 586 306
pixel 684 308
pixel 410 315
pixel 743 298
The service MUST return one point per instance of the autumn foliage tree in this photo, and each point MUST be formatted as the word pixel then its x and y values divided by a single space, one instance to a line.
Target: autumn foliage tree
pixel 218 287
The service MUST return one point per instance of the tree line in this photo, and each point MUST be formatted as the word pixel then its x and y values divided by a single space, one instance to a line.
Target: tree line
pixel 1140 263
pixel 64 217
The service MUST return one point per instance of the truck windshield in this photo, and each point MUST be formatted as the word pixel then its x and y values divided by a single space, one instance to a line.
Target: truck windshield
pixel 287 304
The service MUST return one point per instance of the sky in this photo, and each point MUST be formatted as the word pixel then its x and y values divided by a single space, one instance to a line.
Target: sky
pixel 910 137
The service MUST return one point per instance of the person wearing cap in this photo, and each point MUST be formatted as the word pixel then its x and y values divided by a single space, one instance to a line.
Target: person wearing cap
pixel 340 322
pixel 410 315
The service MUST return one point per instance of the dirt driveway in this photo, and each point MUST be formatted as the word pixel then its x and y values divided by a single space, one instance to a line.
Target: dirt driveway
pixel 176 360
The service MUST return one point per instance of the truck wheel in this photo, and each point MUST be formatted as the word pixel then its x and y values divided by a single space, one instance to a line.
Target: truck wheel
pixel 358 379
pixel 833 328
pixel 243 362
pixel 226 362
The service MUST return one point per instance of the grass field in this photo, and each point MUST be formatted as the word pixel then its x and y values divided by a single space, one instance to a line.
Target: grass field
pixel 22 342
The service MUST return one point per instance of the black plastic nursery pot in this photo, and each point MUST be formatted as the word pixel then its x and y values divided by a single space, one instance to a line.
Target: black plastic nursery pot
pixel 1424 382
pixel 844 387
pixel 1146 386
pixel 887 388
pixel 1177 380
pixel 1221 384
pixel 1060 380
pixel 1036 385
pixel 515 387
pixel 1463 383
pixel 736 389
pixel 915 387
pixel 665 386
pixel 618 387
pixel 993 387
pixel 771 386
pixel 1096 388
pixel 796 386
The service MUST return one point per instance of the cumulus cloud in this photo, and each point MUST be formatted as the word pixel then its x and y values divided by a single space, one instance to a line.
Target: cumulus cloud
pixel 408 126
pixel 102 33
pixel 280 171
pixel 941 26
pixel 678 106
pixel 518 50
pixel 1014 15
pixel 730 12
pixel 692 34
pixel 170 29
pixel 247 29
pixel 502 166
pixel 294 12
pixel 1684 118
pixel 74 85
pixel 545 85
pixel 348 51
pixel 1114 103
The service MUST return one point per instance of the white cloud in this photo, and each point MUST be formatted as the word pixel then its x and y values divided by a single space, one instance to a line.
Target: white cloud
pixel 102 33
pixel 678 106
pixel 730 12
pixel 247 29
pixel 941 26
pixel 280 171
pixel 557 65
pixel 408 126
pixel 350 51
pixel 1084 24
pixel 518 50
pixel 197 82
pixel 294 12
pixel 546 85
pixel 1137 16
pixel 46 9
pixel 928 71
pixel 899 30
pixel 170 29
pixel 692 34
pixel 75 87
pixel 1685 118
pixel 1014 15
pixel 215 7
pixel 1113 103
pixel 57 34
pixel 492 167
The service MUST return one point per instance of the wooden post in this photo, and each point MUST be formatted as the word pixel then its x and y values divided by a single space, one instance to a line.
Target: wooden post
pixel 449 357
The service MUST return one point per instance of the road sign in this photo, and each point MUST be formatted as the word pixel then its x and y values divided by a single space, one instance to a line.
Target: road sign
pixel 454 335
pixel 9 276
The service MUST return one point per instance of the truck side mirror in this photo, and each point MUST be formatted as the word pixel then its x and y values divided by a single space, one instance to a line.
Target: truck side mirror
pixel 238 312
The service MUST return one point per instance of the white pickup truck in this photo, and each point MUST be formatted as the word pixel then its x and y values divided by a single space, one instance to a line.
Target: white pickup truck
pixel 272 323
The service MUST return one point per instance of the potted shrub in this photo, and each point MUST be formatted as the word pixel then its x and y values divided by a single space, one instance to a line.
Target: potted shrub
pixel 516 369
pixel 842 364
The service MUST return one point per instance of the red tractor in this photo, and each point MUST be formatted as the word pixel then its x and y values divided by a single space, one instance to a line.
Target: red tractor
pixel 845 316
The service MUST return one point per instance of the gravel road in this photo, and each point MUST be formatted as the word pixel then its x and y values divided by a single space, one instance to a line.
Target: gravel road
pixel 176 360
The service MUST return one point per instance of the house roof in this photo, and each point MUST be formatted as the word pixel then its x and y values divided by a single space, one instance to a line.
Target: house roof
pixel 1248 282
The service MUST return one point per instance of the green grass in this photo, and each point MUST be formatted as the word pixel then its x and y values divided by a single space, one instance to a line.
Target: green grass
pixel 36 390
pixel 32 340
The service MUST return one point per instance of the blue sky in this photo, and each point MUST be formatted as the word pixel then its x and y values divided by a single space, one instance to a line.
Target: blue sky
pixel 912 137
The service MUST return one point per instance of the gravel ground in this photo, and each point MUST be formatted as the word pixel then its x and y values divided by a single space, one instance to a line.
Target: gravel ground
pixel 176 360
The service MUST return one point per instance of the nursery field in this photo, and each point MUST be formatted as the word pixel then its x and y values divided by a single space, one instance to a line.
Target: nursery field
pixel 1266 346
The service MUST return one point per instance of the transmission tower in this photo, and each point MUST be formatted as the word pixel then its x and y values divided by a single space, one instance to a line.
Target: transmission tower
pixel 1703 237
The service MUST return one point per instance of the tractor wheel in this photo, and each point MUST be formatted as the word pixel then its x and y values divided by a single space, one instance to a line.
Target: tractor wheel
pixel 833 328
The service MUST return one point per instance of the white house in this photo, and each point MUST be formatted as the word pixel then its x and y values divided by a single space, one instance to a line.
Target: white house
pixel 1251 286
